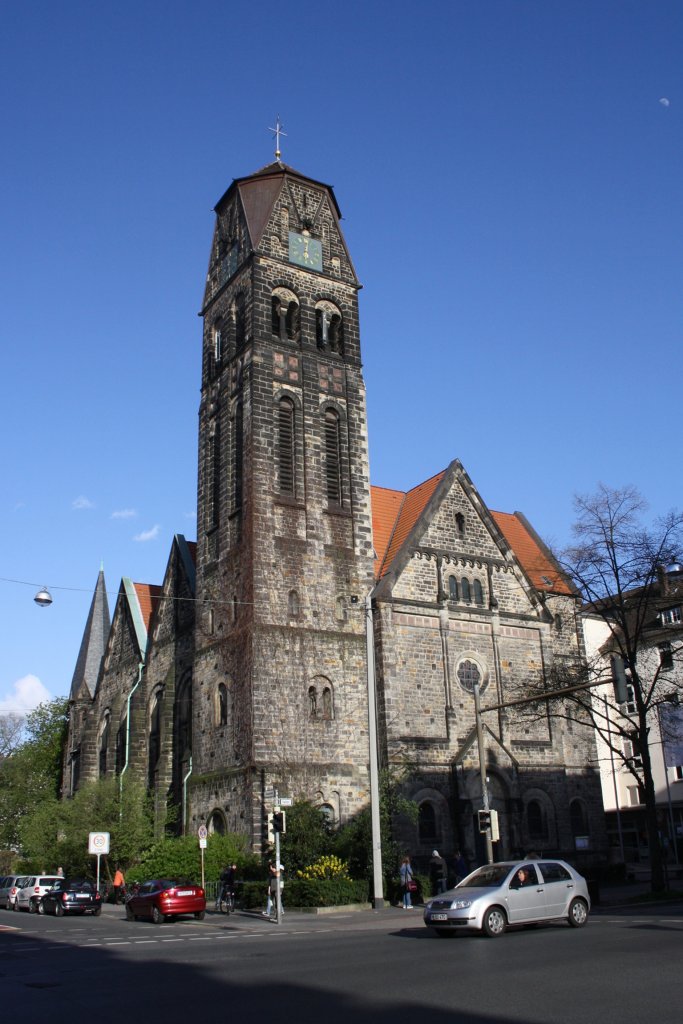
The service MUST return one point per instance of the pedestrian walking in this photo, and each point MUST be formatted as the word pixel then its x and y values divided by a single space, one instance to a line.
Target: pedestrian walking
pixel 407 883
pixel 119 882
pixel 437 873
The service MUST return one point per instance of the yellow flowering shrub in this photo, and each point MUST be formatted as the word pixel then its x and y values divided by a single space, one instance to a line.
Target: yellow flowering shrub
pixel 325 867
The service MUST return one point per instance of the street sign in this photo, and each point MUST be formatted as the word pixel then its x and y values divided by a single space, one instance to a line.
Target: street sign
pixel 202 832
pixel 202 843
pixel 98 843
pixel 286 801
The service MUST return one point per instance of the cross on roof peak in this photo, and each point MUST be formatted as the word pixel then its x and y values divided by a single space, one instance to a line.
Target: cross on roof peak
pixel 277 131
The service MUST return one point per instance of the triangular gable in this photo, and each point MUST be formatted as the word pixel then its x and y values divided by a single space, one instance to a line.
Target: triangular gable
pixel 408 507
pixel 258 199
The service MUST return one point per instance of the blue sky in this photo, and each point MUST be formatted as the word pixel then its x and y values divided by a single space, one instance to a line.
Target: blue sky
pixel 510 179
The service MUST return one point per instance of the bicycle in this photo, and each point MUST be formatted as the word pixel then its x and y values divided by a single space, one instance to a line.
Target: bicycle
pixel 225 903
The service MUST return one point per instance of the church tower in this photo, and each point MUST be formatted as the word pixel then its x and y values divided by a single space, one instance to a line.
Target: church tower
pixel 284 552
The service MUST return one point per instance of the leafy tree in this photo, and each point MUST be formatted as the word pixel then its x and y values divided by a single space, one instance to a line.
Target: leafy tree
pixel 354 842
pixel 32 774
pixel 615 564
pixel 11 728
pixel 307 838
pixel 180 857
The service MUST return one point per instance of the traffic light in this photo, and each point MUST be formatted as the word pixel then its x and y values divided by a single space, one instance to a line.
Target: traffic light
pixel 279 822
pixel 271 827
pixel 495 832
pixel 484 821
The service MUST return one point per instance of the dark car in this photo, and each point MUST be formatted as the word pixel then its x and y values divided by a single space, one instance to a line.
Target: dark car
pixel 164 898
pixel 70 896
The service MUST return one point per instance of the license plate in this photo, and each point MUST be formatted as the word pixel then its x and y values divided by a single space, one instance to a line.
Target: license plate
pixel 185 892
pixel 82 896
pixel 439 917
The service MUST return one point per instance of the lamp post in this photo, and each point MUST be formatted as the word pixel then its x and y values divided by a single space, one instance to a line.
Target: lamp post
pixel 481 744
pixel 378 884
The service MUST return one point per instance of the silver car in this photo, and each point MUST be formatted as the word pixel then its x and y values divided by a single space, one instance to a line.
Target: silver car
pixel 9 889
pixel 512 892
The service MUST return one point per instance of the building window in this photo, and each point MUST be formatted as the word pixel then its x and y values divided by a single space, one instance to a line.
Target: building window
pixel 327 703
pixel 469 674
pixel 103 744
pixel 221 705
pixel 340 608
pixel 635 795
pixel 465 590
pixel 452 588
pixel 293 604
pixel 312 702
pixel 460 524
pixel 216 824
pixel 121 746
pixel 578 818
pixel 671 616
pixel 679 772
pixel 217 346
pixel 333 457
pixel 286 315
pixel 238 457
pixel 285 446
pixel 666 658
pixel 537 825
pixel 329 328
pixel 154 738
pixel 212 477
pixel 478 592
pixel 426 824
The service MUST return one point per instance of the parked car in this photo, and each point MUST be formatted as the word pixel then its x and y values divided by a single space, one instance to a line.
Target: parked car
pixel 69 896
pixel 34 886
pixel 164 898
pixel 511 893
pixel 9 889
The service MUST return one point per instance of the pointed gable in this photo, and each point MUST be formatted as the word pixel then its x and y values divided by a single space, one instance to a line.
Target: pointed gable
pixel 93 644
pixel 396 513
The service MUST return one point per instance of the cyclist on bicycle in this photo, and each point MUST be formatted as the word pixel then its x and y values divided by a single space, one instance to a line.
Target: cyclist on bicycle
pixel 228 879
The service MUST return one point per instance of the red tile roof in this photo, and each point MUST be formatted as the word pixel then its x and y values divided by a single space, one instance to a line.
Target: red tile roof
pixel 394 514
pixel 537 563
pixel 148 595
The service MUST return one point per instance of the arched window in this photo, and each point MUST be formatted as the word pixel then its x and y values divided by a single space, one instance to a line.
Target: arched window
pixel 478 592
pixel 216 824
pixel 452 588
pixel 329 328
pixel 103 743
pixel 221 705
pixel 460 524
pixel 465 589
pixel 536 822
pixel 286 315
pixel 578 818
pixel 237 457
pixel 285 446
pixel 121 746
pixel 327 811
pixel 240 321
pixel 327 710
pixel 154 738
pixel 426 823
pixel 217 344
pixel 293 604
pixel 333 457
pixel 213 476
pixel 312 702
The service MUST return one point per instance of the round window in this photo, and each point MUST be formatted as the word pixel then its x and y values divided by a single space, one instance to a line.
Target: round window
pixel 470 673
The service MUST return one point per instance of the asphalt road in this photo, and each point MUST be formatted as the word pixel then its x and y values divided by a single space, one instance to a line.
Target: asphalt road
pixel 387 968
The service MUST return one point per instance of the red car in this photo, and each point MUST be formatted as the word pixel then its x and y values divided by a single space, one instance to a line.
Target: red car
pixel 164 899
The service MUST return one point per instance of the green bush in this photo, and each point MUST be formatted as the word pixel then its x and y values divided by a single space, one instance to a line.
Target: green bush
pixel 300 892
pixel 181 858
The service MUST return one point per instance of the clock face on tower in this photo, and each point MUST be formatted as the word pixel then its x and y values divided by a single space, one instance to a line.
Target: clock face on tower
pixel 306 251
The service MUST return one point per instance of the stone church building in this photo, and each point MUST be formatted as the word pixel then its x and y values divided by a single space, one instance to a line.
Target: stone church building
pixel 246 669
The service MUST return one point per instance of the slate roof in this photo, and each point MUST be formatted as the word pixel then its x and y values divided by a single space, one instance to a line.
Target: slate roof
pixel 93 643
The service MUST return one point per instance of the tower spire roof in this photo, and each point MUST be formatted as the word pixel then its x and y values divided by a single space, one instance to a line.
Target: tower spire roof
pixel 93 644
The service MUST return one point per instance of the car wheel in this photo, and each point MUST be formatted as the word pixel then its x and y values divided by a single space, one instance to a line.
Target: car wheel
pixel 41 907
pixel 446 933
pixel 578 913
pixel 157 916
pixel 494 923
pixel 59 910
pixel 199 916
pixel 32 907
pixel 15 905
pixel 130 916
pixel 97 911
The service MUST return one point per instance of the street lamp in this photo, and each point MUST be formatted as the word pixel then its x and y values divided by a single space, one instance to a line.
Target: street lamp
pixel 43 598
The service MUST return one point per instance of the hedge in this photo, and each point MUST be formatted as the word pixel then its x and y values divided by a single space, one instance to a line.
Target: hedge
pixel 301 892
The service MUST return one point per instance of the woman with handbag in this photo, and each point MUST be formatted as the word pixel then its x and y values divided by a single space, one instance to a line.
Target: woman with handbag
pixel 407 883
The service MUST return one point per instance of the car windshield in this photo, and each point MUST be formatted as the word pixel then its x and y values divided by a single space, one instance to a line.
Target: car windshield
pixel 487 877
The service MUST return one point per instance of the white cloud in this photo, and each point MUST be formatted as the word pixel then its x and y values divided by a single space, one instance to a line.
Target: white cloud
pixel 28 693
pixel 124 513
pixel 82 502
pixel 148 534
pixel 665 102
